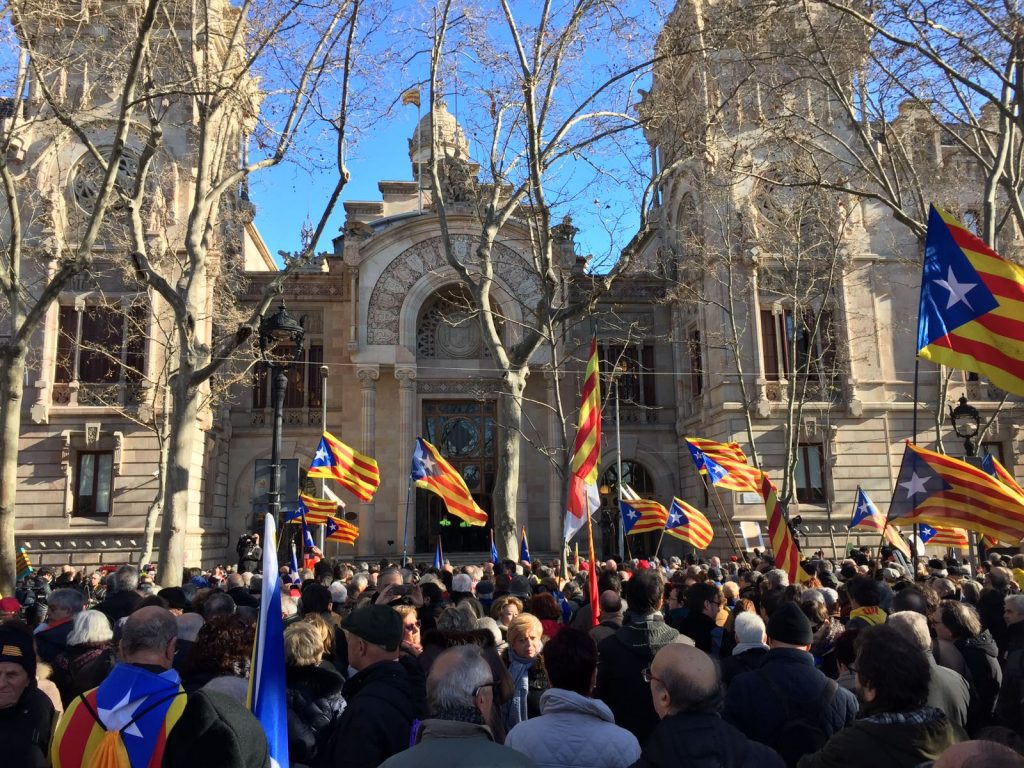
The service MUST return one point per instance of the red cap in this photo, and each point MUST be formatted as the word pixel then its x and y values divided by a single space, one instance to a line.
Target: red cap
pixel 643 565
pixel 10 605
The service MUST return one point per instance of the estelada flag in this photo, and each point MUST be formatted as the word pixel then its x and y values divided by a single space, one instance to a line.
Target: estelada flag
pixel 725 464
pixel 940 490
pixel 689 524
pixel 432 472
pixel 642 516
pixel 336 461
pixel 971 313
pixel 341 530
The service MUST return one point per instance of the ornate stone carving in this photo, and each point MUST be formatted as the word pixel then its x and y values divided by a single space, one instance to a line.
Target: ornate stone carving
pixel 368 375
pixel 406 377
pixel 448 387
pixel 385 306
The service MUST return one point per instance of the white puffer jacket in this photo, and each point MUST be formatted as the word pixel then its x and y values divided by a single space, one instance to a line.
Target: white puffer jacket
pixel 574 731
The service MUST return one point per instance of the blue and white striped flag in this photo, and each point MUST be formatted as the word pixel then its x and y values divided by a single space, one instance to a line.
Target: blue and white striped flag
pixel 267 697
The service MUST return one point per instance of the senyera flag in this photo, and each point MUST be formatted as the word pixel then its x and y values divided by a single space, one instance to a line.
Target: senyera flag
pixel 787 554
pixel 971 313
pixel 432 472
pixel 334 460
pixel 584 496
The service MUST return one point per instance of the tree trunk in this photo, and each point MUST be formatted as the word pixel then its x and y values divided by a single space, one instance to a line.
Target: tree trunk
pixel 12 384
pixel 153 513
pixel 506 483
pixel 184 410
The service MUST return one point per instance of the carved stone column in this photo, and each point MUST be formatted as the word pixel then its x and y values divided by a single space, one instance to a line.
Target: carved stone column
pixel 406 376
pixel 368 375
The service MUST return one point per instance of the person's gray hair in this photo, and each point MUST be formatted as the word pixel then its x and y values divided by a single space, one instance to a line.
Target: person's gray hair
pixel 70 600
pixel 126 579
pixel 151 634
pixel 189 625
pixel 360 581
pixel 456 618
pixel 218 604
pixel 777 578
pixel 339 594
pixel 749 628
pixel 90 627
pixel 464 674
pixel 1015 602
pixel 289 606
pixel 256 584
pixel 914 627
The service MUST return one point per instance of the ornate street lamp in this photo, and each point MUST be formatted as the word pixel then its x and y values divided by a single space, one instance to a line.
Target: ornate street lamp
pixel 966 422
pixel 276 329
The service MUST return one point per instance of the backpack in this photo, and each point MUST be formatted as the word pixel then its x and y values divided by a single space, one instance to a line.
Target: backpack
pixel 801 733
pixel 111 751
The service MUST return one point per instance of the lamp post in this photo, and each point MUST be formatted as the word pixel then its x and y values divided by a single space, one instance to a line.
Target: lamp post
pixel 279 328
pixel 966 422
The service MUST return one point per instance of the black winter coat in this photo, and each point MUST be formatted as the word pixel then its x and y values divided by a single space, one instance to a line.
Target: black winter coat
pixel 733 666
pixel 381 703
pixel 26 728
pixel 703 740
pixel 621 659
pixel 117 605
pixel 314 705
pixel 985 677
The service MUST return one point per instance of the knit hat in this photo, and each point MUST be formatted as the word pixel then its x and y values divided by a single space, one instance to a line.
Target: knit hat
pixel 16 648
pixel 520 587
pixel 377 624
pixel 789 625
pixel 214 729
pixel 175 597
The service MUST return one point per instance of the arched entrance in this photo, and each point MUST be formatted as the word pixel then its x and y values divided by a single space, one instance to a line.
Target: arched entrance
pixel 464 432
pixel 636 476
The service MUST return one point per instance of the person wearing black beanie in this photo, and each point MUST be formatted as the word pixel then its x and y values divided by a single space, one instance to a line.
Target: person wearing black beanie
pixel 26 713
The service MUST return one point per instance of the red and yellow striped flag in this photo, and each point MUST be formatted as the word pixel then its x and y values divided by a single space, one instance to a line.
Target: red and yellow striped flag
pixel 787 556
pixel 689 524
pixel 584 497
pixel 336 461
pixel 642 516
pixel 730 457
pixel 432 472
pixel 949 537
pixel 341 530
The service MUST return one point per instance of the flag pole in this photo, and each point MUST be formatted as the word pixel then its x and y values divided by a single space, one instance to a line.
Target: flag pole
pixel 595 606
pixel 849 528
pixel 618 460
pixel 405 531
pixel 917 370
pixel 324 373
pixel 720 512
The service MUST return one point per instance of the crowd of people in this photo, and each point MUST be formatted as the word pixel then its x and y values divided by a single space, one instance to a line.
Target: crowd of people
pixel 861 662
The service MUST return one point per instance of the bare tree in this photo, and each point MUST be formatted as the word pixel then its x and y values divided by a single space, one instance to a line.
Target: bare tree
pixel 547 96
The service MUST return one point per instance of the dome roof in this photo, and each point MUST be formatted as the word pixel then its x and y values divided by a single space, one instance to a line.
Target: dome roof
pixel 450 136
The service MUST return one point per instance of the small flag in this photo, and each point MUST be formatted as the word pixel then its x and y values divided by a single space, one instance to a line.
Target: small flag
pixel 969 315
pixel 725 464
pixel 940 490
pixel 688 524
pixel 584 495
pixel 354 472
pixel 524 548
pixel 411 96
pixel 307 537
pixel 267 698
pixel 866 515
pixel 432 472
pixel 494 550
pixel 293 566
pixel 22 564
pixel 341 531
pixel 945 537
pixel 787 556
pixel 642 516
pixel 315 511
pixel 438 556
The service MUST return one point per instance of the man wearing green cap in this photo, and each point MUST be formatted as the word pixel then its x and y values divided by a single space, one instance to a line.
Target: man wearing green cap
pixel 383 697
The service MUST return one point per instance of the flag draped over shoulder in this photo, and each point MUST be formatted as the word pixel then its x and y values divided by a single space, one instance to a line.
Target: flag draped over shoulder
pixel 866 515
pixel 940 490
pixel 971 314
pixel 432 472
pixel 267 698
pixel 584 496
pixel 945 537
pixel 642 516
pixel 787 556
pixel 688 524
pixel 725 464
pixel 336 461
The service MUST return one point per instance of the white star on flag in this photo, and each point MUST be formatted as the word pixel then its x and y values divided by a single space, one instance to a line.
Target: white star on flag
pixel 321 455
pixel 915 485
pixel 864 509
pixel 674 518
pixel 632 514
pixel 428 465
pixel 957 291
pixel 118 716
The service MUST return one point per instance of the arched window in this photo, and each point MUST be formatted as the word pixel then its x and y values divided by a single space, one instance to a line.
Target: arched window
pixel 449 327
pixel 636 476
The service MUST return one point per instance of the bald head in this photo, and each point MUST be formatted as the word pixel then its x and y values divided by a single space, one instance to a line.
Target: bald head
pixel 979 754
pixel 685 679
pixel 148 637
